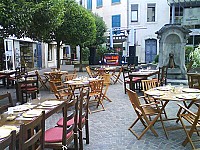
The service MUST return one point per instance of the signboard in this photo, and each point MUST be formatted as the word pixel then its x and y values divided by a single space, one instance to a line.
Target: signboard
pixel 191 16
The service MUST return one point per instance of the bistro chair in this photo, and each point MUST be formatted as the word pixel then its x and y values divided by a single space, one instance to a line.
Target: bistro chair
pixel 135 80
pixel 59 90
pixel 59 137
pixel 193 80
pixel 95 95
pixel 106 83
pixel 70 76
pixel 144 111
pixel 55 76
pixel 91 73
pixel 147 85
pixel 13 78
pixel 115 77
pixel 42 79
pixel 30 87
pixel 83 103
pixel 193 119
pixel 9 142
pixel 31 134
pixel 5 102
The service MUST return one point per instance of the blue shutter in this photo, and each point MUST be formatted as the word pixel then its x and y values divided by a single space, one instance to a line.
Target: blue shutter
pixel 89 4
pixel 99 3
pixel 115 1
pixel 116 22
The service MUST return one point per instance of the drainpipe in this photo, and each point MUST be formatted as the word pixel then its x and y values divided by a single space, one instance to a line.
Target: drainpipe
pixel 173 13
pixel 127 52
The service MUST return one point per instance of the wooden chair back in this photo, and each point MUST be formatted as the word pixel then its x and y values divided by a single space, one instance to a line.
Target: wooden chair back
pixel 194 81
pixel 5 102
pixel 9 141
pixel 32 134
pixel 148 84
pixel 83 115
pixel 31 86
pixel 70 76
pixel 55 76
pixel 90 73
pixel 193 119
pixel 133 97
pixel 43 81
pixel 106 78
pixel 70 111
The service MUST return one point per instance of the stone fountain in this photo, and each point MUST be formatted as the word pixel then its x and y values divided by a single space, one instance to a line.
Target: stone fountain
pixel 172 40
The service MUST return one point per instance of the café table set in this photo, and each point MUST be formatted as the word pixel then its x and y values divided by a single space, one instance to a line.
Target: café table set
pixel 168 93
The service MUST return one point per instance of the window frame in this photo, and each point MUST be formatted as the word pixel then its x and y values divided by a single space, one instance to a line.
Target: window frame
pixel 50 52
pixel 134 10
pixel 151 6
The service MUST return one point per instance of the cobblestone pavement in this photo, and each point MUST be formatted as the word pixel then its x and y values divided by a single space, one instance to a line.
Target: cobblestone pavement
pixel 109 129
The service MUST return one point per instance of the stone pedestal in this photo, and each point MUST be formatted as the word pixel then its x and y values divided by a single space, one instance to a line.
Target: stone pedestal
pixel 172 40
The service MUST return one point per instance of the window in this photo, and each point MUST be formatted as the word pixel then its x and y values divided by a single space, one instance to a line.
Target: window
pixel 134 13
pixel 115 1
pixel 89 4
pixel 151 12
pixel 99 3
pixel 116 22
pixel 50 52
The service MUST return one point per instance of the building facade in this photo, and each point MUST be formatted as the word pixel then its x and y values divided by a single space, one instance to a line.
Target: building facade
pixel 140 18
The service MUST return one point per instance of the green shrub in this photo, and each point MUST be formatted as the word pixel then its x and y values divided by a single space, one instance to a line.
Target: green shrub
pixel 195 57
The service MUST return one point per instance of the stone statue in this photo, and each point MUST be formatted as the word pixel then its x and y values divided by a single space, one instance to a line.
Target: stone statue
pixel 171 61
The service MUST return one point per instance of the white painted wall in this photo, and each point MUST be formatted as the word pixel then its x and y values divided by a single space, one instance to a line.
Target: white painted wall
pixel 162 17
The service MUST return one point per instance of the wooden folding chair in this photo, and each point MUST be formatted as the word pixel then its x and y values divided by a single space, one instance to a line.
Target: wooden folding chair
pixel 194 121
pixel 135 80
pixel 43 80
pixel 106 83
pixel 70 76
pixel 91 73
pixel 147 85
pixel 9 142
pixel 115 76
pixel 59 90
pixel 96 88
pixel 143 112
pixel 32 134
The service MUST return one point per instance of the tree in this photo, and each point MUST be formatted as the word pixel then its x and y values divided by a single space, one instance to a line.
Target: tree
pixel 78 28
pixel 100 38
pixel 14 17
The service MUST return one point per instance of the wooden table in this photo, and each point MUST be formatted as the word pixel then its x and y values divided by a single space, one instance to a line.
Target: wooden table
pixel 144 74
pixel 177 94
pixel 48 112
pixel 7 73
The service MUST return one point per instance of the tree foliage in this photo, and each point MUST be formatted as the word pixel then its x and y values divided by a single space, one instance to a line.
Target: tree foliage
pixel 15 16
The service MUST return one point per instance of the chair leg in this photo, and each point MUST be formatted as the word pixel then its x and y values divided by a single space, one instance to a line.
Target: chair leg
pixel 87 131
pixel 188 134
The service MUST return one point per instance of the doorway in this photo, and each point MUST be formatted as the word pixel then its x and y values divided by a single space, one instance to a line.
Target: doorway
pixel 150 50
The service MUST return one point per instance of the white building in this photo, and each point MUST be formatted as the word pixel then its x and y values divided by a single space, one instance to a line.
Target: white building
pixel 143 17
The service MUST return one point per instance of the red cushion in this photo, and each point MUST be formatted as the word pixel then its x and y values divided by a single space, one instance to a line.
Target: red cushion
pixel 32 89
pixel 2 76
pixel 55 135
pixel 70 122
pixel 134 79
